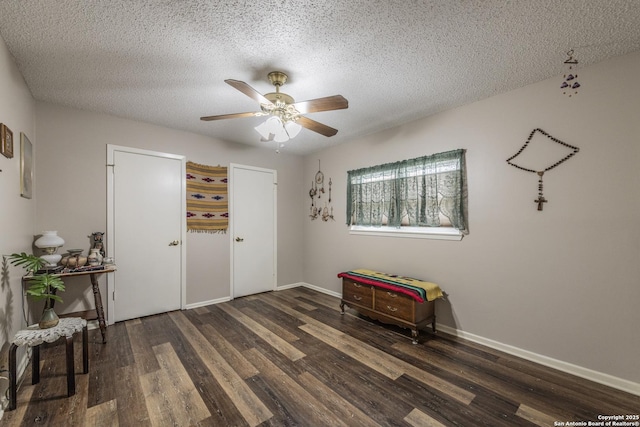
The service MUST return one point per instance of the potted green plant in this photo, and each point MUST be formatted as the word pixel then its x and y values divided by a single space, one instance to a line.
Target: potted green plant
pixel 41 286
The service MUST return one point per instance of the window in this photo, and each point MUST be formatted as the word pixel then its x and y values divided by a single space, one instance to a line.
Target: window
pixel 422 196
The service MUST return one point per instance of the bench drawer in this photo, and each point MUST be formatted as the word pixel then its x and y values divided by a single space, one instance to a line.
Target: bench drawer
pixel 357 293
pixel 395 304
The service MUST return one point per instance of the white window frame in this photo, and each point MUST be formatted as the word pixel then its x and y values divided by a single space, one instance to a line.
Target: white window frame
pixel 434 233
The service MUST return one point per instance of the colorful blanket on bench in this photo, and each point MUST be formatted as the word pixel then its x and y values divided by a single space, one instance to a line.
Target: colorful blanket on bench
pixel 417 289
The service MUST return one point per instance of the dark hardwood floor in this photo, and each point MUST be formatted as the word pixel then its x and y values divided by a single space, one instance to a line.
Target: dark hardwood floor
pixel 289 358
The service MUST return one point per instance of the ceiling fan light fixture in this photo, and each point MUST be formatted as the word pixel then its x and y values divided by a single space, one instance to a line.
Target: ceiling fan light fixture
pixel 293 129
pixel 275 125
pixel 275 129
pixel 265 129
pixel 272 129
pixel 281 137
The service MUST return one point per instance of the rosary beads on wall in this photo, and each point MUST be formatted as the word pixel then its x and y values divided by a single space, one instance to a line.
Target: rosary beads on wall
pixel 541 199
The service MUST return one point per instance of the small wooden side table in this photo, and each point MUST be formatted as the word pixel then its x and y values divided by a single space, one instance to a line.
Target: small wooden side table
pixel 97 297
pixel 33 337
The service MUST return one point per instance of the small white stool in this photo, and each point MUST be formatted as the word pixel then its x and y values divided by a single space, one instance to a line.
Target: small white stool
pixel 33 337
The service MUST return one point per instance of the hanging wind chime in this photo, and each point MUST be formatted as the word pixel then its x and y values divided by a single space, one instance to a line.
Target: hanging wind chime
pixel 570 83
pixel 540 200
pixel 316 192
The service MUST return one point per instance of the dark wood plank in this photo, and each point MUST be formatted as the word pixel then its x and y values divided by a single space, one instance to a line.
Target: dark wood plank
pixel 220 404
pixel 299 402
pixel 251 408
pixel 104 359
pixel 171 396
pixel 142 347
pixel 130 404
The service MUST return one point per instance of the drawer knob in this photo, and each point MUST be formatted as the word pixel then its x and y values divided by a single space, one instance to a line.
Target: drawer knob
pixel 357 285
pixel 357 298
pixel 392 295
pixel 392 308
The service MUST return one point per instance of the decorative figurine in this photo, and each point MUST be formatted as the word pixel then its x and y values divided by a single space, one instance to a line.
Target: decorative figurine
pixel 97 243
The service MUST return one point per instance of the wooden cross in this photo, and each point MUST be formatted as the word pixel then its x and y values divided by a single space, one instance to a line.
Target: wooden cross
pixel 540 201
pixel 541 198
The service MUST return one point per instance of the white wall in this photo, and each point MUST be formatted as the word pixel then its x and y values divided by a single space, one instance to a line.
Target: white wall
pixel 562 283
pixel 17 111
pixel 71 192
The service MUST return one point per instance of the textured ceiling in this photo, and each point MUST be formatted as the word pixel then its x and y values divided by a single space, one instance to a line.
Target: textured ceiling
pixel 165 62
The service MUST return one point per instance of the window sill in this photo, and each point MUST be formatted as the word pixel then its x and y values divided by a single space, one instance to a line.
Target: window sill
pixel 442 233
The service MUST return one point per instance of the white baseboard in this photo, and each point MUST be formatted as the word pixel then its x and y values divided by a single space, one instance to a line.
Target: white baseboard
pixel 322 290
pixel 579 371
pixel 291 286
pixel 310 286
pixel 279 288
pixel 206 303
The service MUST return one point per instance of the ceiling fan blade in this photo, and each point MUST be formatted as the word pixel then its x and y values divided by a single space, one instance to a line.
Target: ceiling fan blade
pixel 232 116
pixel 335 102
pixel 248 90
pixel 316 126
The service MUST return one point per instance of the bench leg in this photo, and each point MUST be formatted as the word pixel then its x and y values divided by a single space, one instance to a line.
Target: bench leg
pixel 414 336
pixel 13 382
pixel 71 375
pixel 35 364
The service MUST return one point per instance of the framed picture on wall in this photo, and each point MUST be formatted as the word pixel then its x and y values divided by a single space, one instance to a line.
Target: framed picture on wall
pixel 7 141
pixel 26 166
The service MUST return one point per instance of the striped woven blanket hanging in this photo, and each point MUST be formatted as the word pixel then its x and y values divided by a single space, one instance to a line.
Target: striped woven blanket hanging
pixel 207 199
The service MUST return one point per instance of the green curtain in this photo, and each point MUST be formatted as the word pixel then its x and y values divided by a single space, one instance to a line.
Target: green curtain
pixel 418 190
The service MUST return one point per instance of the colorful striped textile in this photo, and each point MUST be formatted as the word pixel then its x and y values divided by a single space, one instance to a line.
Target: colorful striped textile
pixel 207 202
pixel 417 289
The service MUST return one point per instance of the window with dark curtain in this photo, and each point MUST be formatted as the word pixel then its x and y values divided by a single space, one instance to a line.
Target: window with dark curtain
pixel 427 191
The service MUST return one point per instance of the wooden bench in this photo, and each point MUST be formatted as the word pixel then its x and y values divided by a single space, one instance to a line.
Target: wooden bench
pixel 387 303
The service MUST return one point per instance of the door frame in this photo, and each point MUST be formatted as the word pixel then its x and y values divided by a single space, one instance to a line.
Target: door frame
pixel 111 150
pixel 274 173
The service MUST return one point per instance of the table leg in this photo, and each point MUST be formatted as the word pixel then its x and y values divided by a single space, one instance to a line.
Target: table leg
pixel 13 382
pixel 99 308
pixel 71 374
pixel 85 350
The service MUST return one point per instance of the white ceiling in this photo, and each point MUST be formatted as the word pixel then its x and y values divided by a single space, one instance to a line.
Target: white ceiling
pixel 165 61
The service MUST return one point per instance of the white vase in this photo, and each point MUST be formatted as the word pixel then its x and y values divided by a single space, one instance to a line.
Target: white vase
pixel 95 257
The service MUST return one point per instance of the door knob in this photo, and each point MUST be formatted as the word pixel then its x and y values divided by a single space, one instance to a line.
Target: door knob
pixel 174 243
pixel 238 239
